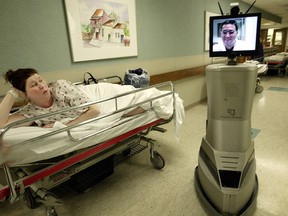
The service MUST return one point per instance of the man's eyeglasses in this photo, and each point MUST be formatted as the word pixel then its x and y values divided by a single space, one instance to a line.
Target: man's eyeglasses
pixel 230 32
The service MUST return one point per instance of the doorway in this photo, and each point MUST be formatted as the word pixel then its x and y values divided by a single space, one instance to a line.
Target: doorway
pixel 279 39
pixel 263 36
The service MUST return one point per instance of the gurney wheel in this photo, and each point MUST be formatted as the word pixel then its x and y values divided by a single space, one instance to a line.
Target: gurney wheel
pixel 50 211
pixel 259 89
pixel 157 160
pixel 29 199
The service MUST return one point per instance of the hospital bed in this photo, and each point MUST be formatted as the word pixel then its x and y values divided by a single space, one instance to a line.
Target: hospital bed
pixel 262 70
pixel 278 62
pixel 41 159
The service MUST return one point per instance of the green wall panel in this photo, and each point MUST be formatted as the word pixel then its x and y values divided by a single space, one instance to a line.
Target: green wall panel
pixel 34 33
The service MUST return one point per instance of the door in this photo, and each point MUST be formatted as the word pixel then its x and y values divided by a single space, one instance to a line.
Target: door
pixel 279 39
pixel 263 36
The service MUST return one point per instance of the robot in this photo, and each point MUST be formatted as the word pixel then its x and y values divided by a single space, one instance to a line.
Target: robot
pixel 226 176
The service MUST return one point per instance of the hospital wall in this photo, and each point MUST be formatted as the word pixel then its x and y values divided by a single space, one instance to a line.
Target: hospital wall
pixel 170 37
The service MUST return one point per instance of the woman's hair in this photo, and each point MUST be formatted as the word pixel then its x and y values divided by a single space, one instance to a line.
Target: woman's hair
pixel 18 77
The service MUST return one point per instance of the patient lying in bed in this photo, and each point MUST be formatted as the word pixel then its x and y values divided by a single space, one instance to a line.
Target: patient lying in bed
pixel 40 94
pixel 45 98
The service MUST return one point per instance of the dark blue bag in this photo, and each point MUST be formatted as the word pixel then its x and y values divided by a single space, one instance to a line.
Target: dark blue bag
pixel 138 78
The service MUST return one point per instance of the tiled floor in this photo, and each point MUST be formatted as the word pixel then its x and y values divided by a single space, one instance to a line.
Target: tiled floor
pixel 136 188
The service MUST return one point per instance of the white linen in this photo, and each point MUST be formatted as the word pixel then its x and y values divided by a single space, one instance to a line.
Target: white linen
pixel 279 57
pixel 60 144
pixel 262 68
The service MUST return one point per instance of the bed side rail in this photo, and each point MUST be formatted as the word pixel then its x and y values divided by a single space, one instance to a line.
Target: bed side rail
pixel 111 79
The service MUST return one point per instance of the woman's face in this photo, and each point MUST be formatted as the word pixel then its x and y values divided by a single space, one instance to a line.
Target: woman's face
pixel 37 89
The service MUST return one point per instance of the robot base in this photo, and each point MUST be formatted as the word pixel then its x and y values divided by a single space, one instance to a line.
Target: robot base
pixel 246 210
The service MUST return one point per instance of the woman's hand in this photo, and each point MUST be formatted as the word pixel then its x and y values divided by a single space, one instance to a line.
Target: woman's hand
pixel 5 106
pixel 4 149
pixel 21 95
pixel 55 125
pixel 48 125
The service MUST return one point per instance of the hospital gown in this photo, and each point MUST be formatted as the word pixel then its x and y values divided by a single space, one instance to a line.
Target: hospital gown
pixel 65 95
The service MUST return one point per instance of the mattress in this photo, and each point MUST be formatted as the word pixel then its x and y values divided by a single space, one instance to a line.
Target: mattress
pixel 262 68
pixel 278 58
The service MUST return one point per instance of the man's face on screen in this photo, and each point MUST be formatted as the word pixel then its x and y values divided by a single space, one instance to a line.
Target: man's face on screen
pixel 229 35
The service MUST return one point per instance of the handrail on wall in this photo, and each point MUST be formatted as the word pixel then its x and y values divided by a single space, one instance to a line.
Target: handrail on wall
pixel 177 75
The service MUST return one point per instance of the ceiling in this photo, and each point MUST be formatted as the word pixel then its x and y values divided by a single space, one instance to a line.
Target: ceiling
pixel 275 7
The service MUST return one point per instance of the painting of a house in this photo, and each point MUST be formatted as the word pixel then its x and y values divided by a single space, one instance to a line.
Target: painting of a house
pixel 105 30
pixel 102 25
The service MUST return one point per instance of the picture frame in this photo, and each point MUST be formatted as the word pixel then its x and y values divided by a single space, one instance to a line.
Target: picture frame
pixel 207 23
pixel 101 29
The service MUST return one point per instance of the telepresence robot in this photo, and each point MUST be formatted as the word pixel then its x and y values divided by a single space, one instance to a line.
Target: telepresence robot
pixel 225 177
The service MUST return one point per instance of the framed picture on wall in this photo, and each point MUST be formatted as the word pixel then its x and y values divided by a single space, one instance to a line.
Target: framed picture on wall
pixel 207 19
pixel 101 29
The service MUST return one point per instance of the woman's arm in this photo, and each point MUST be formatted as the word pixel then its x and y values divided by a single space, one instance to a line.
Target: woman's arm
pixel 5 107
pixel 136 111
pixel 92 112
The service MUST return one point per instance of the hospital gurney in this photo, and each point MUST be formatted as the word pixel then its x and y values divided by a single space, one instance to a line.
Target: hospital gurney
pixel 278 62
pixel 41 159
pixel 262 70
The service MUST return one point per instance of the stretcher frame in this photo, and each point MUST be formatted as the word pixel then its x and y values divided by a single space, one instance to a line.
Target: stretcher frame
pixel 280 65
pixel 262 70
pixel 34 186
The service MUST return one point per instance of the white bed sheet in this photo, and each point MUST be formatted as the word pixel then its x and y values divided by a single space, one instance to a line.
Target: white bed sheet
pixel 60 144
pixel 279 57
pixel 262 68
